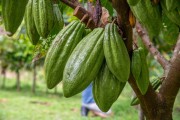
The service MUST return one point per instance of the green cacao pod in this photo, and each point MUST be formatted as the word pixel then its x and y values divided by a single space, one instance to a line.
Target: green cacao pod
pixel 149 15
pixel 60 50
pixel 133 2
pixel 173 15
pixel 116 54
pixel 106 88
pixel 58 19
pixel 155 84
pixel 13 12
pixel 84 63
pixel 43 16
pixel 30 25
pixel 136 64
pixel 143 81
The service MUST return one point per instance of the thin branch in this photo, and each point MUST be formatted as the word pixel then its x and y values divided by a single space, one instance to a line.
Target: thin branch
pixel 176 49
pixel 149 45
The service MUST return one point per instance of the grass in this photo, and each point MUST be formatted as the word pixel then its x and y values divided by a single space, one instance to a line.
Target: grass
pixel 25 105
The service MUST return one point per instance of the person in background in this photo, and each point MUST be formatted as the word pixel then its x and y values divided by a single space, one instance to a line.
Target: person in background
pixel 88 104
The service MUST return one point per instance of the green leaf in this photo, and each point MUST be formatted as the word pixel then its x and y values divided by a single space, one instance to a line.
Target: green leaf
pixel 170 31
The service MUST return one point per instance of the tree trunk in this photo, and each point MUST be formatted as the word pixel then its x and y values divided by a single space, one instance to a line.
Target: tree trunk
pixel 4 79
pixel 55 90
pixel 159 111
pixel 34 79
pixel 47 90
pixel 18 80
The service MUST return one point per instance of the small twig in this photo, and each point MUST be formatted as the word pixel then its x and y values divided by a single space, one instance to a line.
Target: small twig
pixel 84 17
pixel 149 45
pixel 80 12
pixel 176 50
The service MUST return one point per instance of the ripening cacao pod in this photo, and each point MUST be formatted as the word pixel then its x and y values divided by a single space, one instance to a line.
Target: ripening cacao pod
pixel 60 50
pixel 116 54
pixel 13 12
pixel 84 63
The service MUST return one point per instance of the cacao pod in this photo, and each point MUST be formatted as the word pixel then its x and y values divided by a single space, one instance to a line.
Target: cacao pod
pixel 60 50
pixel 13 12
pixel 106 88
pixel 136 64
pixel 30 25
pixel 143 81
pixel 84 63
pixel 116 54
pixel 58 19
pixel 149 15
pixel 43 16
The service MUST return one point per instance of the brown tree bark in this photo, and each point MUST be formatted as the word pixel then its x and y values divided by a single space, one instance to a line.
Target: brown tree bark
pixel 4 78
pixel 34 79
pixel 18 81
pixel 141 113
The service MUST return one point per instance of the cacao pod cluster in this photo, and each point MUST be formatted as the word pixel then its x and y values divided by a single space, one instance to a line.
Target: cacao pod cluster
pixel 42 17
pixel 79 56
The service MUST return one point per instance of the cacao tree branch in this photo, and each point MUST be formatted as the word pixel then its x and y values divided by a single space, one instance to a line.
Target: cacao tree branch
pixel 122 10
pixel 149 45
pixel 80 12
pixel 71 3
pixel 171 84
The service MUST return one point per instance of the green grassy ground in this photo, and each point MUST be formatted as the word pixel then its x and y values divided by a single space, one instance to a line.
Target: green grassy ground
pixel 25 105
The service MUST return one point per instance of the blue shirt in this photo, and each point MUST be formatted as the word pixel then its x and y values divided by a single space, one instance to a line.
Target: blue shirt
pixel 87 95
